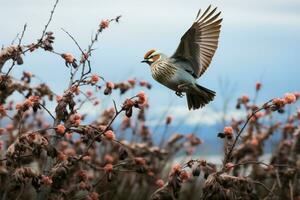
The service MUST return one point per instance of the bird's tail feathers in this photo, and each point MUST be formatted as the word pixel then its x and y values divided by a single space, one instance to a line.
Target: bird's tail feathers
pixel 199 96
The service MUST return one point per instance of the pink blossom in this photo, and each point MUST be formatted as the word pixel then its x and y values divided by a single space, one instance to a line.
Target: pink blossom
pixel 160 183
pixel 108 168
pixel 104 24
pixel 60 129
pixel 95 78
pixel 228 130
pixel 110 135
pixel 289 98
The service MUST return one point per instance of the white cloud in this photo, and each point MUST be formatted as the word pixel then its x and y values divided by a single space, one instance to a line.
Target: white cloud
pixel 140 16
pixel 205 116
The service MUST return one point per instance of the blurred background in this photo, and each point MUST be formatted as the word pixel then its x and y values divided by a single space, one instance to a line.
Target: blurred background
pixel 259 42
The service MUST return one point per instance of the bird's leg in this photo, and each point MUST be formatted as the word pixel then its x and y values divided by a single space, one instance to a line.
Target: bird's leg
pixel 179 94
pixel 182 88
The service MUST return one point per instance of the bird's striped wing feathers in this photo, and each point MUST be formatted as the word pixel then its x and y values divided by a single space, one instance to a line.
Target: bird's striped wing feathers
pixel 198 45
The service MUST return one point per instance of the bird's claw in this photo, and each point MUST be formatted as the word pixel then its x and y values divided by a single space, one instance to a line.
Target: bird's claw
pixel 179 94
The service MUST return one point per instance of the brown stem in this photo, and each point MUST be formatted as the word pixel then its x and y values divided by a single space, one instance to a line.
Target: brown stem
pixel 264 186
pixel 260 163
pixel 117 112
pixel 47 111
pixel 229 154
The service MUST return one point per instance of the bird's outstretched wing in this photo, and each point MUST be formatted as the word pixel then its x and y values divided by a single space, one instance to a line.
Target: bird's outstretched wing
pixel 199 43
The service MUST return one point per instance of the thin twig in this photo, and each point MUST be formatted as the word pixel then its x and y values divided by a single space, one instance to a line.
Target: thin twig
pixel 49 20
pixel 88 52
pixel 229 154
pixel 260 163
pixel 162 141
pixel 99 181
pixel 47 111
pixel 278 178
pixel 13 41
pixel 264 186
pixel 45 28
pixel 21 192
pixel 22 35
pixel 291 190
pixel 73 40
pixel 14 59
pixel 87 98
pixel 117 112
pixel 21 156
pixel 49 161
pixel 272 189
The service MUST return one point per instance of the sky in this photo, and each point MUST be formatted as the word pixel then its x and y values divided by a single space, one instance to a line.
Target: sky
pixel 259 41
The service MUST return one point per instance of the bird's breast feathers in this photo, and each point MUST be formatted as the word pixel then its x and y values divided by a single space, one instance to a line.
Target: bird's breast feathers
pixel 170 75
pixel 163 71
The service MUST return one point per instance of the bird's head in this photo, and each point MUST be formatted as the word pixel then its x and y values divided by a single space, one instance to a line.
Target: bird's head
pixel 151 56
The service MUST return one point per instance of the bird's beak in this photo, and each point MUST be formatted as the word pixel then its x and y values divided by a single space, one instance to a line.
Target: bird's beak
pixel 144 61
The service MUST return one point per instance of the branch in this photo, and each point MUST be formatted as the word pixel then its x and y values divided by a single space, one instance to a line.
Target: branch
pixel 229 154
pixel 22 35
pixel 12 52
pixel 260 163
pixel 264 186
pixel 88 52
pixel 47 111
pixel 117 113
pixel 73 40
pixel 49 20
pixel 21 156
pixel 46 27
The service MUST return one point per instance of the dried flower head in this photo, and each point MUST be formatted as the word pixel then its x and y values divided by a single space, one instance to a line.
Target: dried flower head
pixel 228 131
pixel 184 175
pixel 258 86
pixel 289 98
pixel 27 103
pixel 34 99
pixel 278 102
pixel 87 158
pixel 160 183
pixel 132 82
pixel 229 166
pixel 110 135
pixel 89 93
pixel 60 129
pixel 168 120
pixel 176 168
pixel 94 79
pixel 108 168
pixel 69 59
pixel 142 98
pixel 58 98
pixel 104 24
pixel 108 158
pixel 245 99
pixel 254 141
pixel 75 119
pixel 75 89
pixel 140 161
pixel 110 85
pixel 2 111
pixel 46 180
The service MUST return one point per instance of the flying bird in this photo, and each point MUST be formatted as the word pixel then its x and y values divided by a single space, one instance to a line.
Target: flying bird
pixel 191 59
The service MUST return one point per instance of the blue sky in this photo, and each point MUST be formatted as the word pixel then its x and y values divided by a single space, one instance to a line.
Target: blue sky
pixel 259 42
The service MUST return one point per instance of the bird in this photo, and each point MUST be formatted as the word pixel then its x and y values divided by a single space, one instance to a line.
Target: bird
pixel 190 60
